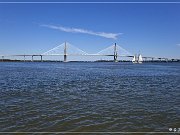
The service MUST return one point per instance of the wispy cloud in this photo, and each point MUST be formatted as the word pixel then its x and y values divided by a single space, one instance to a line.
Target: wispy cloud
pixel 178 45
pixel 78 30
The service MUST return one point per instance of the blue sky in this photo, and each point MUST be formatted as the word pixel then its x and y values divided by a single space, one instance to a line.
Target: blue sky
pixel 152 29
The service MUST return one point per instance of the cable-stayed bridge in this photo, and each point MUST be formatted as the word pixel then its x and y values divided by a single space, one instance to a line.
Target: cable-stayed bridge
pixel 66 49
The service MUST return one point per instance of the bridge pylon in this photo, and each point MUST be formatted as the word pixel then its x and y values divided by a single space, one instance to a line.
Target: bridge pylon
pixel 65 52
pixel 115 53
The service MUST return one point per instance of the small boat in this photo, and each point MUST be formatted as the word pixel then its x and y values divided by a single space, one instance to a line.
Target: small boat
pixel 137 59
pixel 140 59
pixel 134 59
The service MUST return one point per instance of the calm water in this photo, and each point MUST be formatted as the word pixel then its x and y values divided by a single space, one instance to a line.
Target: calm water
pixel 89 96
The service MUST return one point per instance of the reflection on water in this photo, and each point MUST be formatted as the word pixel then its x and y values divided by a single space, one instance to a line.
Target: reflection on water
pixel 89 96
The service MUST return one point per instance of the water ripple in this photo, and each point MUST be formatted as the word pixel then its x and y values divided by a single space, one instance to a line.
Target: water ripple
pixel 89 96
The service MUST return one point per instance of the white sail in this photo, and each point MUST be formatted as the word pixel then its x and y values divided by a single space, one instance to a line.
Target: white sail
pixel 140 59
pixel 134 59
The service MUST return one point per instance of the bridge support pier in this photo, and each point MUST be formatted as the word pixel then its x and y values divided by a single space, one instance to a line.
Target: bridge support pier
pixel 115 58
pixel 65 58
pixel 146 59
pixel 41 58
pixel 24 58
pixel 65 52
pixel 2 58
pixel 115 53
pixel 166 60
pixel 32 58
pixel 152 59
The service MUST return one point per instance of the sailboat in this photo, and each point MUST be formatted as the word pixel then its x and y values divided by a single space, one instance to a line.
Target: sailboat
pixel 137 59
pixel 134 59
pixel 140 59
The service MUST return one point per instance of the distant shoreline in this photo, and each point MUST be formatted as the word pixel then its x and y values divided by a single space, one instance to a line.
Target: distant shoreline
pixel 157 61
